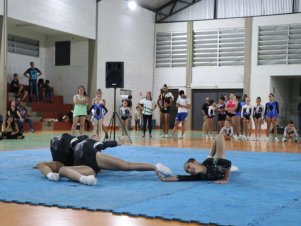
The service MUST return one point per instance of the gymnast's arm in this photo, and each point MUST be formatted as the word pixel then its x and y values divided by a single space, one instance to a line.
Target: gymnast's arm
pixel 226 179
pixel 196 177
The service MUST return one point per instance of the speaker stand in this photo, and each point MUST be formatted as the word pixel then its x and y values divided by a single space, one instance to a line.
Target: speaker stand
pixel 112 124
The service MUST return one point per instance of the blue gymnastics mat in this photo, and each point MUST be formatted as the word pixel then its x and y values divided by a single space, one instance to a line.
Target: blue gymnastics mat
pixel 266 190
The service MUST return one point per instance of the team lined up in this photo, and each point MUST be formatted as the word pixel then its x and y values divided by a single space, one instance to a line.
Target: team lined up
pixel 235 117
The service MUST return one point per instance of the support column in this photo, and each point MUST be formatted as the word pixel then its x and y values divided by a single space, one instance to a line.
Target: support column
pixel 189 67
pixel 92 70
pixel 247 55
pixel 3 61
pixel 92 61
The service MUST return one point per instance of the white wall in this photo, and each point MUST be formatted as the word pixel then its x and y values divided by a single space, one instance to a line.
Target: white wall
pixel 128 36
pixel 18 63
pixel 71 16
pixel 1 7
pixel 66 79
pixel 261 74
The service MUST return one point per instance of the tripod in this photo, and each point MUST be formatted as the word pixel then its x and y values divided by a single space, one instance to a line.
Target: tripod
pixel 112 124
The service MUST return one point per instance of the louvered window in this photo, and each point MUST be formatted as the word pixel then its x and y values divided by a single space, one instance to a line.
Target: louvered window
pixel 219 47
pixel 279 44
pixel 171 49
pixel 23 46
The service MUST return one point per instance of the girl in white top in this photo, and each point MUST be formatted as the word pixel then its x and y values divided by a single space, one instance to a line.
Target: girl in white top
pixel 211 115
pixel 183 104
pixel 125 113
pixel 227 130
pixel 148 106
pixel 258 117
pixel 246 115
pixel 290 132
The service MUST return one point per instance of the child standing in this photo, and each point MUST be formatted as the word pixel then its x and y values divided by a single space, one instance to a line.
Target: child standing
pixel 221 113
pixel 137 118
pixel 98 112
pixel 125 113
pixel 103 102
pixel 211 115
pixel 258 116
pixel 246 115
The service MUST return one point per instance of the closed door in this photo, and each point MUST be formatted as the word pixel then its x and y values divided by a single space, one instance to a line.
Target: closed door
pixel 199 98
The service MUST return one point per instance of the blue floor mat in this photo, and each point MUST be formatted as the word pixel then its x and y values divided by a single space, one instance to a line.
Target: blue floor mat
pixel 266 190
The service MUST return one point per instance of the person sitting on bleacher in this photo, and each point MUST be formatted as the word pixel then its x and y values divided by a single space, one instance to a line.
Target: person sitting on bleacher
pixel 25 114
pixel 14 112
pixel 10 129
pixel 40 88
pixel 47 92
pixel 18 89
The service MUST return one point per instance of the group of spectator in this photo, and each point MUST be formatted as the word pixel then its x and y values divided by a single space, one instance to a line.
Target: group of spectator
pixel 146 106
pixel 236 116
pixel 37 87
pixel 17 112
pixel 17 116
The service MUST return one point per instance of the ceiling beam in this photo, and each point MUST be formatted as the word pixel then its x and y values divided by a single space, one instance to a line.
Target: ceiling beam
pixel 170 7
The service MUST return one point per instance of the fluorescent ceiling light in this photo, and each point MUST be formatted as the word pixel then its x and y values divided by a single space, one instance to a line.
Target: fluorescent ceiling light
pixel 132 5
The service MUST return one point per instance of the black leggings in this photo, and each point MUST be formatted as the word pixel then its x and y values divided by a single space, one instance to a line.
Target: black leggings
pixel 147 118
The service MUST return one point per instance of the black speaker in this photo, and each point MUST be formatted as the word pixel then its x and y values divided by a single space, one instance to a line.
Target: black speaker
pixel 114 74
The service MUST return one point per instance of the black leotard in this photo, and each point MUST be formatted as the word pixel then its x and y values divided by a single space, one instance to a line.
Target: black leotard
pixel 216 170
pixel 85 153
pixel 61 150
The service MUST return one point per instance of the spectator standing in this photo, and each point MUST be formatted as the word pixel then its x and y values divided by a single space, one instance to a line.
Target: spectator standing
pixel 164 102
pixel 148 106
pixel 183 104
pixel 32 74
pixel 81 101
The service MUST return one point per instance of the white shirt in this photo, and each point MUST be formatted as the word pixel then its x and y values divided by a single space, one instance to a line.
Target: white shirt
pixel 246 110
pixel 183 101
pixel 211 111
pixel 169 94
pixel 147 106
pixel 227 131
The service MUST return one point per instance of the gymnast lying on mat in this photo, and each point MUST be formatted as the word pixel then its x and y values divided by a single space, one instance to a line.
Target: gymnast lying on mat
pixel 214 168
pixel 79 159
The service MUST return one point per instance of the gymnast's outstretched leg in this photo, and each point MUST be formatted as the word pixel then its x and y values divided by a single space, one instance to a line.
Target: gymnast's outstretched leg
pixel 218 147
pixel 50 169
pixel 107 162
pixel 82 174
